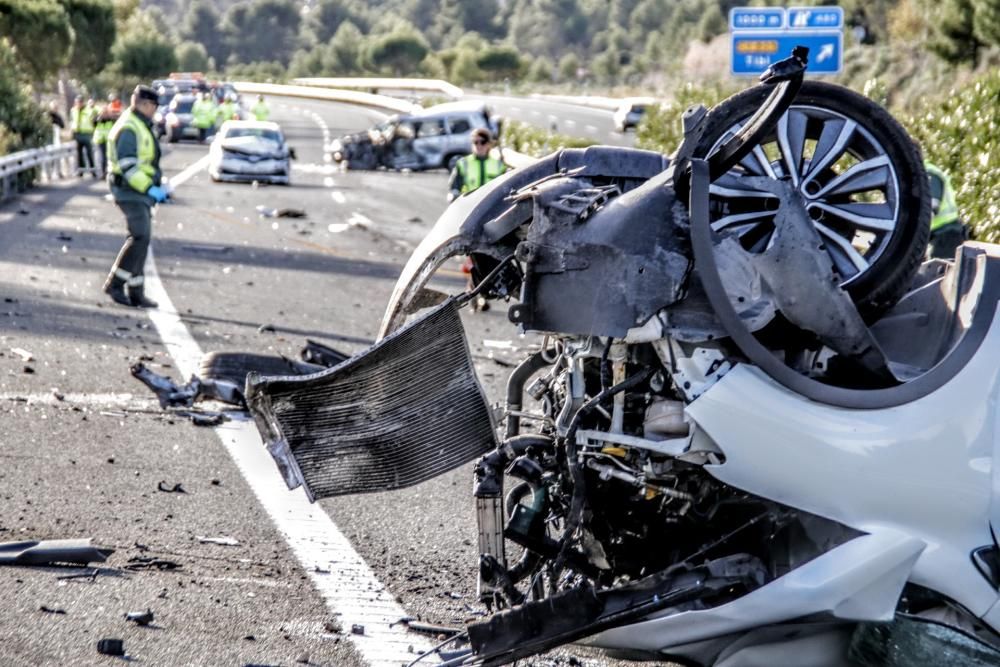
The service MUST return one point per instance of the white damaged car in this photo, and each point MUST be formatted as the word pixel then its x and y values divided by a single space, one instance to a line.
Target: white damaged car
pixel 250 150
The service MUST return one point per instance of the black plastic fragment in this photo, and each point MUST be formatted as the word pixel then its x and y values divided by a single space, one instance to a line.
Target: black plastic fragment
pixel 140 617
pixel 111 647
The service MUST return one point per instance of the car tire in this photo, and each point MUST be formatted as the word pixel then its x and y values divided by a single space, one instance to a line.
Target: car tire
pixel 452 161
pixel 171 138
pixel 234 366
pixel 882 280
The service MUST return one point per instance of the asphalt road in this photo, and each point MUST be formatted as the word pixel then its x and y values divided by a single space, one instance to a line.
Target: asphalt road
pixel 571 119
pixel 84 446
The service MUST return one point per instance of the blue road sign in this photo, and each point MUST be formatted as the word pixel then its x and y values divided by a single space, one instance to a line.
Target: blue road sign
pixel 815 18
pixel 754 52
pixel 756 18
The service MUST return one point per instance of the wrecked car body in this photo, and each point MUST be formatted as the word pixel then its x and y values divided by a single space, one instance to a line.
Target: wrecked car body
pixel 747 438
pixel 433 138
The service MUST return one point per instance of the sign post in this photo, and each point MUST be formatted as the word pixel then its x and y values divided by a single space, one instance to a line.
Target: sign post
pixel 761 36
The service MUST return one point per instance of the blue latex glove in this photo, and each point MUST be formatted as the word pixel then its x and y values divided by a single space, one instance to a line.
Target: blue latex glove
pixel 157 193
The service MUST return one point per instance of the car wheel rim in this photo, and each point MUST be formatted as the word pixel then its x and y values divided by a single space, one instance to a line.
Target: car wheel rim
pixel 845 175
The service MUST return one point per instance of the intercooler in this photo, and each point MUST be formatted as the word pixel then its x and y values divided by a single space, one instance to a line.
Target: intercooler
pixel 404 411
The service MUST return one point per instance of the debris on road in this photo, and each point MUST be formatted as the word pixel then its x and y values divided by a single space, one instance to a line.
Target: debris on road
pixel 199 247
pixel 92 575
pixel 266 212
pixel 357 629
pixel 223 541
pixel 430 629
pixel 140 617
pixel 52 610
pixel 207 419
pixel 151 563
pixel 166 488
pixel 48 552
pixel 171 395
pixel 111 647
pixel 265 328
pixel 24 354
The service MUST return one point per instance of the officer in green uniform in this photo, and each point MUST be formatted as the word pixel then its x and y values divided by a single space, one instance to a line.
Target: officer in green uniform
pixel 947 230
pixel 105 121
pixel 476 169
pixel 82 118
pixel 134 177
pixel 204 115
pixel 226 110
pixel 260 110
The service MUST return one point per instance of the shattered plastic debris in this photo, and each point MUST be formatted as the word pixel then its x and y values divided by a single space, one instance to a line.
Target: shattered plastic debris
pixel 151 563
pixel 222 541
pixel 205 419
pixel 166 488
pixel 24 354
pixel 111 647
pixel 357 629
pixel 47 552
pixel 140 617
pixel 52 610
pixel 170 395
pixel 266 212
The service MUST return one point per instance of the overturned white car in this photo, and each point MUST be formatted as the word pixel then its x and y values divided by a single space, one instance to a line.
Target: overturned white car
pixel 250 150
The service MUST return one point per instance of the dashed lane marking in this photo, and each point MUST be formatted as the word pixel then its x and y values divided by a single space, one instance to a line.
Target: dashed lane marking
pixel 338 197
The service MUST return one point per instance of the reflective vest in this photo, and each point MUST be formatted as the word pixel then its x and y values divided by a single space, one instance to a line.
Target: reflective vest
pixel 101 130
pixel 140 171
pixel 204 114
pixel 260 111
pixel 472 179
pixel 947 209
pixel 82 119
pixel 226 111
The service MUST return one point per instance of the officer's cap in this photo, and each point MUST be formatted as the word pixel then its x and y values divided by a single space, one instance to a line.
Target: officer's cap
pixel 145 93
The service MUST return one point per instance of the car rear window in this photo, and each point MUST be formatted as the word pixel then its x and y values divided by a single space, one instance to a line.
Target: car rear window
pixel 184 106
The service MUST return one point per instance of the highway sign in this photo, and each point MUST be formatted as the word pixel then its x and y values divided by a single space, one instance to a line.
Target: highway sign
pixel 815 18
pixel 756 18
pixel 753 52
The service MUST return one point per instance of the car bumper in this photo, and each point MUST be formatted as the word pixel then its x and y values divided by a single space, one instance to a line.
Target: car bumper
pixel 272 171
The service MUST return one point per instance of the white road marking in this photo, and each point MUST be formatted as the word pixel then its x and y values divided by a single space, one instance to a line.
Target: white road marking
pixel 311 168
pixel 591 128
pixel 75 399
pixel 338 197
pixel 346 583
pixel 359 220
pixel 328 182
pixel 571 123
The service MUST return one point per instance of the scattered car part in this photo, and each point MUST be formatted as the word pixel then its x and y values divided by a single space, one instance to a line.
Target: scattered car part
pixel 49 552
pixel 51 610
pixel 233 367
pixel 221 541
pixel 171 395
pixel 207 419
pixel 111 647
pixel 151 563
pixel 166 488
pixel 140 617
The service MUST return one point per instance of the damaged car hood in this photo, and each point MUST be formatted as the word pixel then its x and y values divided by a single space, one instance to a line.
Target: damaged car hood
pixel 254 146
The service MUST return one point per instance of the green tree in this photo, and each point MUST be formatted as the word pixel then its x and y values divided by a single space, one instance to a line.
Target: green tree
pixel 201 25
pixel 141 51
pixel 94 33
pixel 986 21
pixel 399 52
pixel 712 23
pixel 541 71
pixel 22 124
pixel 345 50
pixel 569 65
pixel 464 68
pixel 499 62
pixel 264 30
pixel 327 16
pixel 955 40
pixel 192 57
pixel 40 34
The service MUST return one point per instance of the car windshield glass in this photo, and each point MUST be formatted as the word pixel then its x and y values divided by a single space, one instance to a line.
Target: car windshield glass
pixel 184 106
pixel 268 135
pixel 639 108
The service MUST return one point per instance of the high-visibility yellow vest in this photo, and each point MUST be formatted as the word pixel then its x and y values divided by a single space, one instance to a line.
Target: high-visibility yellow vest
pixel 472 179
pixel 204 113
pixel 947 211
pixel 101 131
pixel 260 111
pixel 139 171
pixel 226 111
pixel 82 119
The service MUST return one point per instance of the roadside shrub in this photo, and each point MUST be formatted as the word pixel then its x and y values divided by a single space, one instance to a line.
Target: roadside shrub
pixel 22 123
pixel 660 128
pixel 536 142
pixel 960 133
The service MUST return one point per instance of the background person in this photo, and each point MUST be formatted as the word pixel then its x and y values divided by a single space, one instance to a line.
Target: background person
pixel 82 120
pixel 134 177
pixel 476 169
pixel 260 110
pixel 947 229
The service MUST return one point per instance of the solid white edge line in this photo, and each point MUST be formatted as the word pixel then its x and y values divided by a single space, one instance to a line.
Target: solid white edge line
pixel 339 573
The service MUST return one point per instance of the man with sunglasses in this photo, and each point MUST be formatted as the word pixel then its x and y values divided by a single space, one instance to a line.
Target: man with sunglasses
pixel 476 169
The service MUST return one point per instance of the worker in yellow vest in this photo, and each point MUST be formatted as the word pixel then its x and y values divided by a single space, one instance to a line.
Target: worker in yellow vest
pixel 82 119
pixel 260 110
pixel 947 230
pixel 204 114
pixel 135 181
pixel 227 110
pixel 105 121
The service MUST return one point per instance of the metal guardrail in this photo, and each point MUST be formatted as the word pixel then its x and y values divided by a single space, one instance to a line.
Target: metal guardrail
pixel 376 83
pixel 332 95
pixel 52 162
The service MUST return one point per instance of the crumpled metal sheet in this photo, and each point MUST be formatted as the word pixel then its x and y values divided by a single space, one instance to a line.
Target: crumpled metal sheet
pixel 407 410
pixel 47 552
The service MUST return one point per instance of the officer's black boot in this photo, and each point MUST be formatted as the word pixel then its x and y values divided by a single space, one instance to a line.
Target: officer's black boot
pixel 115 288
pixel 138 297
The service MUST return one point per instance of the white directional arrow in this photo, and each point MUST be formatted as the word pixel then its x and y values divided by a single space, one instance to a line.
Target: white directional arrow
pixel 825 52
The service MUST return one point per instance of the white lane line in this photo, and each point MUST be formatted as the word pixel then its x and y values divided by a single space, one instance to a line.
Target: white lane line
pixel 570 123
pixel 591 128
pixel 338 197
pixel 71 399
pixel 338 572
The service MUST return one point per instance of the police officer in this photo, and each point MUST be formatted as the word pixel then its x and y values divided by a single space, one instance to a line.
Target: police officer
pixel 81 122
pixel 260 110
pixel 476 169
pixel 105 121
pixel 204 115
pixel 947 230
pixel 134 177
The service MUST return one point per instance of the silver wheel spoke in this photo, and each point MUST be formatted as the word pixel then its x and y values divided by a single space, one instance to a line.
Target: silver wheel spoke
pixel 730 187
pixel 831 145
pixel 792 141
pixel 847 250
pixel 863 177
pixel 873 217
pixel 741 218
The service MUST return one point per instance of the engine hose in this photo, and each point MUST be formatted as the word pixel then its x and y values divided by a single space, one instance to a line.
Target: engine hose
pixel 515 389
pixel 575 514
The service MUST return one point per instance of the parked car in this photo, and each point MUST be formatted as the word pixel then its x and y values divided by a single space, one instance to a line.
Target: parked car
pixel 178 121
pixel 431 139
pixel 250 150
pixel 630 112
